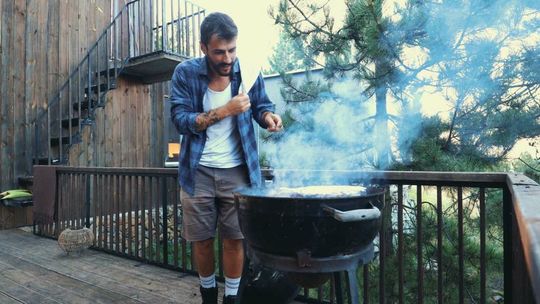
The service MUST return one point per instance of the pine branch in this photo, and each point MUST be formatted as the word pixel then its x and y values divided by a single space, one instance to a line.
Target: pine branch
pixel 528 165
pixel 319 28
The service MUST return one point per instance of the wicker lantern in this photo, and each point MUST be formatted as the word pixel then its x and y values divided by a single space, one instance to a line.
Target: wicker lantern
pixel 75 240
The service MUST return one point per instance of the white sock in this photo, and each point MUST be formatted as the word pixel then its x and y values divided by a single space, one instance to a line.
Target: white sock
pixel 208 282
pixel 231 286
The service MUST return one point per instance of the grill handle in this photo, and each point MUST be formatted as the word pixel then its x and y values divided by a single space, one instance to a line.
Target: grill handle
pixel 356 215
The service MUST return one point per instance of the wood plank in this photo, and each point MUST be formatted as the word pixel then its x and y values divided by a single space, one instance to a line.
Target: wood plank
pixel 100 135
pixel 147 283
pixel 21 293
pixel 526 202
pixel 63 41
pixel 122 125
pixel 53 47
pixel 74 60
pixel 59 287
pixel 32 75
pixel 132 135
pixel 2 100
pixel 36 78
pixel 135 125
pixel 11 217
pixel 117 128
pixel 161 151
pixel 63 68
pixel 145 103
pixel 109 125
pixel 104 13
pixel 7 299
pixel 82 18
pixel 139 110
pixel 6 97
pixel 41 90
pixel 21 122
pixel 91 29
pixel 153 127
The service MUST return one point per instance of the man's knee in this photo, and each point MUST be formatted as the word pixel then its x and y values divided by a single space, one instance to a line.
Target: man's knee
pixel 232 245
pixel 204 246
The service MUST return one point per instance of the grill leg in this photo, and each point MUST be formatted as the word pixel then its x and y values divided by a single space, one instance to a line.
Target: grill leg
pixel 353 286
pixel 337 284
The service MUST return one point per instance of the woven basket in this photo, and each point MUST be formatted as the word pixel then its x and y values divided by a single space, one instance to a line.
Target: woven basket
pixel 75 240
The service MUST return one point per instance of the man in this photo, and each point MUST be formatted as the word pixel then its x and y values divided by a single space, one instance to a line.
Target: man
pixel 219 151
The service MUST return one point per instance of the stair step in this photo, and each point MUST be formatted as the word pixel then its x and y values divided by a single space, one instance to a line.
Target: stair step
pixel 74 122
pixel 25 181
pixel 85 103
pixel 56 140
pixel 45 161
pixel 110 71
pixel 102 88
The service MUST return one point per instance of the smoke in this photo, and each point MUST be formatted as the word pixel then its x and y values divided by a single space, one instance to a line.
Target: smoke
pixel 473 64
pixel 330 136
pixel 450 54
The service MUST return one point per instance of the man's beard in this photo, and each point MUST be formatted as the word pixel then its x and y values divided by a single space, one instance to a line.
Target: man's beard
pixel 217 68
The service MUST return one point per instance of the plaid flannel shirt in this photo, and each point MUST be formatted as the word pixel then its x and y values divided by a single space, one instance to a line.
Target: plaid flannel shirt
pixel 189 84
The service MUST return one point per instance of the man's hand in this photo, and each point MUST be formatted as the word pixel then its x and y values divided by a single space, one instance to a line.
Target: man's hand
pixel 238 104
pixel 273 122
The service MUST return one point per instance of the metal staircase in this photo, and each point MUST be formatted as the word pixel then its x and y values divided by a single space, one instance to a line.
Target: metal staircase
pixel 145 41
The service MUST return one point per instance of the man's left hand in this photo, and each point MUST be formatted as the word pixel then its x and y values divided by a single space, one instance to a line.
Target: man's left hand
pixel 273 122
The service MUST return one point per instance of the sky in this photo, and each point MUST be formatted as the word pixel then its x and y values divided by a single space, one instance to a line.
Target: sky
pixel 258 36
pixel 257 33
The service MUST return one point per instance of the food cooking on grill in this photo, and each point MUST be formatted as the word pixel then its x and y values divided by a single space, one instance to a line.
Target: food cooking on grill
pixel 317 191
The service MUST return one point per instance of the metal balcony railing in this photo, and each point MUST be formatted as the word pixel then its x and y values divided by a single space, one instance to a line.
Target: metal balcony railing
pixel 445 238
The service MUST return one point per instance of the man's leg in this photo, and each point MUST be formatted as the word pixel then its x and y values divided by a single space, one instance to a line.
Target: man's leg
pixel 233 258
pixel 233 251
pixel 199 226
pixel 204 257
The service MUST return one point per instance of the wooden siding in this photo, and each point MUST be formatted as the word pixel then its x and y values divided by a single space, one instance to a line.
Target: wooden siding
pixel 127 131
pixel 41 42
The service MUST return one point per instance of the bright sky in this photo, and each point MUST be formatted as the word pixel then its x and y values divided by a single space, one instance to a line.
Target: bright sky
pixel 257 32
pixel 258 35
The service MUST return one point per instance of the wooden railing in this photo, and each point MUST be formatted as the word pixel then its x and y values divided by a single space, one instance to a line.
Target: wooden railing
pixel 446 237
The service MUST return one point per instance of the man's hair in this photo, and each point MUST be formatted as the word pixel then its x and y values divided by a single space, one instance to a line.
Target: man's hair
pixel 220 24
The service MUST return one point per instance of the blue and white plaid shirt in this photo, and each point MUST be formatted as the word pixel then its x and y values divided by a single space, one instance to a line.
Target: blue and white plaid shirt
pixel 189 84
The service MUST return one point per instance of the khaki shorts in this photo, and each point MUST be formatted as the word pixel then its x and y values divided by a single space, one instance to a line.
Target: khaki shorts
pixel 212 203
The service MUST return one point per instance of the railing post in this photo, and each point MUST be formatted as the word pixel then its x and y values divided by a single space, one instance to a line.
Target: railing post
pixel 508 250
pixel 163 181
pixel 87 178
pixel 164 37
pixel 36 142
pixel 56 231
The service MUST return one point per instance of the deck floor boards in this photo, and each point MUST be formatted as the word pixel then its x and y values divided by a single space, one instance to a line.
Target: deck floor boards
pixel 35 270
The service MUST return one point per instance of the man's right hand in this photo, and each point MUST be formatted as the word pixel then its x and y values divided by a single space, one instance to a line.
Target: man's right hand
pixel 238 104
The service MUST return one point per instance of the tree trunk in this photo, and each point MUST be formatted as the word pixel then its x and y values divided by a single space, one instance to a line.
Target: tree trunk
pixel 382 140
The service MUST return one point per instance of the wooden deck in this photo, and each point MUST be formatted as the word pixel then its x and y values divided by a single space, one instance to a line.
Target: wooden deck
pixel 35 270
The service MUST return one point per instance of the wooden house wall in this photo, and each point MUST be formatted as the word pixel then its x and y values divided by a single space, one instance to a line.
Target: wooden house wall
pixel 127 131
pixel 131 130
pixel 40 43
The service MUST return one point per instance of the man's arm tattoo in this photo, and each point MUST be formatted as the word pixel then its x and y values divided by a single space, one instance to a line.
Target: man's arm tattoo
pixel 205 120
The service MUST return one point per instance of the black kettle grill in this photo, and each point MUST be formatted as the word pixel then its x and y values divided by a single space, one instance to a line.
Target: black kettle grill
pixel 310 237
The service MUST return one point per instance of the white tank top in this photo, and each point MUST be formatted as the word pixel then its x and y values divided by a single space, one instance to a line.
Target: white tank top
pixel 223 148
